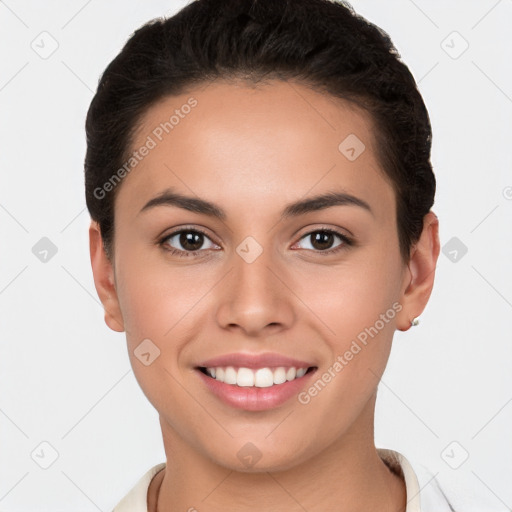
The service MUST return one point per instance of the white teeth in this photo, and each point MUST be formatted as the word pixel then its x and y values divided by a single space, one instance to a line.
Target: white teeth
pixel 260 378
pixel 230 375
pixel 291 373
pixel 219 374
pixel 264 378
pixel 245 377
pixel 279 375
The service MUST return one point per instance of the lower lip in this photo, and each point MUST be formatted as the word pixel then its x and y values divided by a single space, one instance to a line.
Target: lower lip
pixel 253 398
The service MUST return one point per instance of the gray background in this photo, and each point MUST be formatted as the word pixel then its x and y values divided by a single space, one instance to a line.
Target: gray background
pixel 65 378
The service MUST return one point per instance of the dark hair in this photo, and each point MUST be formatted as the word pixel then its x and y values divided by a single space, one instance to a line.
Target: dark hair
pixel 322 44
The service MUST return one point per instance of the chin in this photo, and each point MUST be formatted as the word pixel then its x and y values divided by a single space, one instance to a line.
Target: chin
pixel 255 457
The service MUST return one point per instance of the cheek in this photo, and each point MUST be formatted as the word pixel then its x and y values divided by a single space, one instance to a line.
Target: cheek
pixel 359 312
pixel 352 297
pixel 162 302
pixel 357 304
pixel 156 304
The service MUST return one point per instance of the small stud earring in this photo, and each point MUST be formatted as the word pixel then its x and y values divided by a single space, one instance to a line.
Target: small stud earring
pixel 414 322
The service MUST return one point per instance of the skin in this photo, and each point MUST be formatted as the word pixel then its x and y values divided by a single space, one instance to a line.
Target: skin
pixel 251 151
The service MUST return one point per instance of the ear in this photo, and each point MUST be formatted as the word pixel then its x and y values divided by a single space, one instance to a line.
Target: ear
pixel 104 282
pixel 418 279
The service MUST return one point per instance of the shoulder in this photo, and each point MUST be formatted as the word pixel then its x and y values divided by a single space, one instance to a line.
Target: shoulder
pixel 136 499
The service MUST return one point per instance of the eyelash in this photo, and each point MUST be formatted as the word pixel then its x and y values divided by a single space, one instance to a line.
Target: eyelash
pixel 347 242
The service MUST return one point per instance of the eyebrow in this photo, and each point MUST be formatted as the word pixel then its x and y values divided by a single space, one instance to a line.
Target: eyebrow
pixel 170 197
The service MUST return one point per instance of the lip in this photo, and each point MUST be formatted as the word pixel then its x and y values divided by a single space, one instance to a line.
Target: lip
pixel 253 398
pixel 254 361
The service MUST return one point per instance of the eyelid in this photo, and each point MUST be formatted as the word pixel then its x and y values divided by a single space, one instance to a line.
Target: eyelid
pixel 180 229
pixel 319 227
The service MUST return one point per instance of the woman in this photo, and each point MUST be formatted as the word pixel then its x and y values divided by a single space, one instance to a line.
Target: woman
pixel 259 180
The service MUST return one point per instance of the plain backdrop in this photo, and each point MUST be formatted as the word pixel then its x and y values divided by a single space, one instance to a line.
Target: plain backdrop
pixel 68 397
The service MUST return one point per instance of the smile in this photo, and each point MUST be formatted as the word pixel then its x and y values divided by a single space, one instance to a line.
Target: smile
pixel 255 377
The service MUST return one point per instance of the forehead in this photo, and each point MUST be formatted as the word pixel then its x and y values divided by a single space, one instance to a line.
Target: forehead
pixel 231 142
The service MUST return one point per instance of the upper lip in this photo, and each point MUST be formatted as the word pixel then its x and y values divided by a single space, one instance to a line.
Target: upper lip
pixel 246 360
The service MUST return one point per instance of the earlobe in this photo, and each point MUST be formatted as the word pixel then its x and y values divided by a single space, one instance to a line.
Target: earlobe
pixel 419 279
pixel 103 274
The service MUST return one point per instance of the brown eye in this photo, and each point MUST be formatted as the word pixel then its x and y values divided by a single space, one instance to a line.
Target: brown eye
pixel 190 240
pixel 186 242
pixel 324 241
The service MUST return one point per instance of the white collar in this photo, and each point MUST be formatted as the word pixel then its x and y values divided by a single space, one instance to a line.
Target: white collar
pixel 423 491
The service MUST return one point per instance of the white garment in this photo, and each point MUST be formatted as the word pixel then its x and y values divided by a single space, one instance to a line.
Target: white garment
pixel 423 492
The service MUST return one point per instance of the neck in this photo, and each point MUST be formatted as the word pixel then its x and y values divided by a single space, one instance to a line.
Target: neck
pixel 348 476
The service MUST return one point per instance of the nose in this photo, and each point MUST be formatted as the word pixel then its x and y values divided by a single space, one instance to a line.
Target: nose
pixel 255 298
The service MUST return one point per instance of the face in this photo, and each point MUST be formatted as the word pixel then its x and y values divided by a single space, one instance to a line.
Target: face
pixel 256 240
